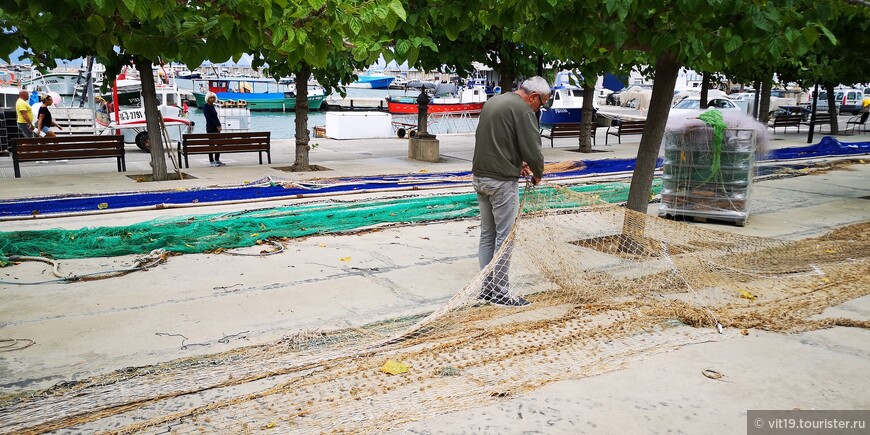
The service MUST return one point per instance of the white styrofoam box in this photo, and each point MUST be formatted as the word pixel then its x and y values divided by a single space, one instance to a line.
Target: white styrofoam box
pixel 358 125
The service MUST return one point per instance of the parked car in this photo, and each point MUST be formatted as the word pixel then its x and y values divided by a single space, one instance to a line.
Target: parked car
pixel 783 99
pixel 691 105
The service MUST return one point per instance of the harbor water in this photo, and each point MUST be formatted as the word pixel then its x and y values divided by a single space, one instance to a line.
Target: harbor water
pixel 282 125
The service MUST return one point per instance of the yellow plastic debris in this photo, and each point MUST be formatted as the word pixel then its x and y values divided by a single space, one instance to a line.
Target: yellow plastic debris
pixel 102 205
pixel 829 251
pixel 746 295
pixel 394 367
pixel 423 171
pixel 344 259
pixel 270 425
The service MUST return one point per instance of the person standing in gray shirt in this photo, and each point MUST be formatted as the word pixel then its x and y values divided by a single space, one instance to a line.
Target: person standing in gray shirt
pixel 507 146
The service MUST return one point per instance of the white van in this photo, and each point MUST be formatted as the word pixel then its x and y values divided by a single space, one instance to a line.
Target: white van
pixel 846 100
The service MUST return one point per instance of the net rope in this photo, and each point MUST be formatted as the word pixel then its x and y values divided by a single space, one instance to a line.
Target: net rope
pixel 607 286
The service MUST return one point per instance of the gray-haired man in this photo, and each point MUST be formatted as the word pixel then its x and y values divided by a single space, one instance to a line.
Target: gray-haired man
pixel 507 146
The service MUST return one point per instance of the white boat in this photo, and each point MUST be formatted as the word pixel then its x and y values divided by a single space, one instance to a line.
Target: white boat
pixel 187 74
pixel 566 101
pixel 64 83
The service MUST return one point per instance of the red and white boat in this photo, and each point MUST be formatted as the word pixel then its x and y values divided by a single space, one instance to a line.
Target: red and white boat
pixel 465 101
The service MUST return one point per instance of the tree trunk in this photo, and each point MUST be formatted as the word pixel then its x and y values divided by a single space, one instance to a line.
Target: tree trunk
pixel 586 119
pixel 666 70
pixel 506 80
pixel 705 90
pixel 832 108
pixel 152 120
pixel 755 99
pixel 764 105
pixel 302 138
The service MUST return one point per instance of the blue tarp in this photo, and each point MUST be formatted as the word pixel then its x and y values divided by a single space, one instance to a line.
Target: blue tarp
pixel 828 146
pixel 613 82
pixel 82 203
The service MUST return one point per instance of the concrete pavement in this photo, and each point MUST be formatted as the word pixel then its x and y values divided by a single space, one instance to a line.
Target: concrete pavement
pixel 86 328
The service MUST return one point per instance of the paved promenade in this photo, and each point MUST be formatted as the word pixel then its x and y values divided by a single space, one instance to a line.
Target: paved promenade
pixel 87 328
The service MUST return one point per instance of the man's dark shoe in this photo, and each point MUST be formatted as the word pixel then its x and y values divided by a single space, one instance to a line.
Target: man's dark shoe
pixel 486 296
pixel 509 301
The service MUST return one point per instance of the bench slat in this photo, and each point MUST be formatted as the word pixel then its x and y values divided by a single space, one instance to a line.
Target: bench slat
pixel 66 146
pixel 208 149
pixel 220 142
pixel 70 154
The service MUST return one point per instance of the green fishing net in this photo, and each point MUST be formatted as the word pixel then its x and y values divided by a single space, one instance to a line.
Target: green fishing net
pixel 210 232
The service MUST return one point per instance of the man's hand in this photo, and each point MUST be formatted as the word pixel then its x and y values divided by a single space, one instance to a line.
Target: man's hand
pixel 535 180
pixel 525 171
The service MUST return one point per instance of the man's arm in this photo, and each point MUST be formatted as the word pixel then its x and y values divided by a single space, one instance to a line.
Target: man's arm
pixel 26 115
pixel 530 145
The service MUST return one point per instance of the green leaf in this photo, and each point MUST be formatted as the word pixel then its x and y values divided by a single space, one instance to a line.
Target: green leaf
pixel 452 31
pixel 398 9
pixel 96 24
pixel 278 36
pixel 317 4
pixel 733 43
pixel 382 12
pixel 402 47
pixel 413 54
pixel 226 24
pixel 355 25
pixel 131 5
pixel 811 35
pixel 828 34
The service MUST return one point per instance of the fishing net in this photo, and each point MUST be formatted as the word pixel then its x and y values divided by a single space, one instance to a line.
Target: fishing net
pixel 607 286
pixel 216 232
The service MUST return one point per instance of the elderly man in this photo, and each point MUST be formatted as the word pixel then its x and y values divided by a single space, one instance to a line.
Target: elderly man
pixel 25 114
pixel 507 146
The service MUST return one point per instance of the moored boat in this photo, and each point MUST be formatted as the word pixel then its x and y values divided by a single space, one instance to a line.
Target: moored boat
pixel 446 99
pixel 372 81
pixel 566 102
pixel 260 94
pixel 64 83
pixel 186 74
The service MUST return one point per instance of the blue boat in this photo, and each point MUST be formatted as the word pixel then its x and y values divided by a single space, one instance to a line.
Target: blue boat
pixel 372 81
pixel 566 101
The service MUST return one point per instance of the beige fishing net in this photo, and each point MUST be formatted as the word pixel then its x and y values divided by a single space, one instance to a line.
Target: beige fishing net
pixel 606 286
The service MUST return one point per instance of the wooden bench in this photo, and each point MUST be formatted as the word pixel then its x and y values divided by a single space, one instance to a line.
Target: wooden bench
pixel 567 129
pixel 822 120
pixel 67 147
pixel 624 127
pixel 786 121
pixel 236 142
